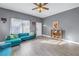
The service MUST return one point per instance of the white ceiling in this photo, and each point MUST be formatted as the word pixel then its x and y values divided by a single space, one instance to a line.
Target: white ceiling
pixel 26 8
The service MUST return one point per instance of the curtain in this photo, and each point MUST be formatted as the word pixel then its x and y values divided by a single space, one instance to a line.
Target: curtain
pixel 19 26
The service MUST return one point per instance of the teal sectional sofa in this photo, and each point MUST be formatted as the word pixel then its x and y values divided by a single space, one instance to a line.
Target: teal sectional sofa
pixel 26 36
pixel 14 42
pixel 16 39
pixel 6 52
pixel 4 45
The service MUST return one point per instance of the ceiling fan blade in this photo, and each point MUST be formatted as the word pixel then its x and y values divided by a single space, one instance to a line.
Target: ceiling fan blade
pixel 40 4
pixel 35 8
pixel 45 4
pixel 45 8
pixel 36 4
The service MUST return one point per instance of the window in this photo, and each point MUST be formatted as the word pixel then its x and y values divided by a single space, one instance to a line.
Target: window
pixel 19 26
pixel 26 26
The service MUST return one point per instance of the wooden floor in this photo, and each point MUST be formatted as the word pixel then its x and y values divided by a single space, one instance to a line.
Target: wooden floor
pixel 43 46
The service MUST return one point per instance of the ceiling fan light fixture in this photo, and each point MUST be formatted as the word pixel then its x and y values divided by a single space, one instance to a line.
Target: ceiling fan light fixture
pixel 40 7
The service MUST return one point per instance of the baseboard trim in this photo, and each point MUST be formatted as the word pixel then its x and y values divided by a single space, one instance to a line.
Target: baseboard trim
pixel 72 41
pixel 63 39
pixel 46 35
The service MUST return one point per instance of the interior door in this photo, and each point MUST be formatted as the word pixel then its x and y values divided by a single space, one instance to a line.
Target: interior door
pixel 38 28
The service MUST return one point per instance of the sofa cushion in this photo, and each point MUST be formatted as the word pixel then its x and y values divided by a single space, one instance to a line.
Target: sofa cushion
pixel 25 37
pixel 14 42
pixel 6 52
pixel 4 45
pixel 12 36
pixel 31 33
pixel 23 34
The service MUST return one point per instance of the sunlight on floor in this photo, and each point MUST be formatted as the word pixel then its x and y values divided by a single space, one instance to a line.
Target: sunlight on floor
pixel 55 42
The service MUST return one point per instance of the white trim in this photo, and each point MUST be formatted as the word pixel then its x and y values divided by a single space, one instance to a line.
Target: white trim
pixel 72 41
pixel 46 35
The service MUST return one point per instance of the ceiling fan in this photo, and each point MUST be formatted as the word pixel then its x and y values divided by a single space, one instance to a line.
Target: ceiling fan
pixel 40 7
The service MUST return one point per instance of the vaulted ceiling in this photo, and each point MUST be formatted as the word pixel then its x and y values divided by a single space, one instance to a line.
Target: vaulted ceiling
pixel 26 8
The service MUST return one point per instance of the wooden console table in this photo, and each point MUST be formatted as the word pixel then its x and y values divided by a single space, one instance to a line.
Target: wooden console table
pixel 57 34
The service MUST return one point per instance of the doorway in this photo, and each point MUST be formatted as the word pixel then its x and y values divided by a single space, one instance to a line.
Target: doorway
pixel 38 29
